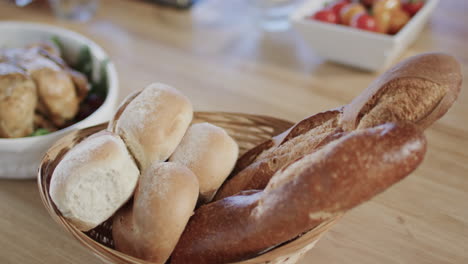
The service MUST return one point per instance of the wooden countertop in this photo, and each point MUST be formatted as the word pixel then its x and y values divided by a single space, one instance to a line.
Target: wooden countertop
pixel 216 56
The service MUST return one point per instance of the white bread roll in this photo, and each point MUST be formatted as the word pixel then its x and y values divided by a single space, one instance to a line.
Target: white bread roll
pixel 210 153
pixel 93 180
pixel 153 122
pixel 164 201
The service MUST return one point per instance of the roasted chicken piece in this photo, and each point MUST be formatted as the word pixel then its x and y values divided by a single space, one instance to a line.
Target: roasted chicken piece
pixel 47 46
pixel 37 74
pixel 42 122
pixel 18 98
pixel 81 83
pixel 55 87
pixel 79 80
pixel 57 94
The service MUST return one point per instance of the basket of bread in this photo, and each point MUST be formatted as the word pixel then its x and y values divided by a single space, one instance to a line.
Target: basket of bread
pixel 161 184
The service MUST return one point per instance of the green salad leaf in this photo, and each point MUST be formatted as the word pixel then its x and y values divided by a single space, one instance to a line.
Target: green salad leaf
pixel 84 64
pixel 97 78
pixel 40 132
pixel 57 43
pixel 100 87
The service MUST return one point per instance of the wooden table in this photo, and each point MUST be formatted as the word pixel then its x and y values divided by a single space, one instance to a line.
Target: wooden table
pixel 218 58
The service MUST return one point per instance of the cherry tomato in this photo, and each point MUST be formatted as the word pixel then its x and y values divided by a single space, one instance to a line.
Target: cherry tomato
pixel 85 111
pixel 91 104
pixel 412 6
pixel 349 11
pixel 364 21
pixel 382 11
pixel 94 101
pixel 338 5
pixel 398 20
pixel 326 15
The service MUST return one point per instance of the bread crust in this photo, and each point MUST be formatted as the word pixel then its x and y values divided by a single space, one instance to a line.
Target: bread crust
pixel 256 167
pixel 336 178
pixel 149 227
pixel 93 180
pixel 152 122
pixel 209 152
pixel 420 89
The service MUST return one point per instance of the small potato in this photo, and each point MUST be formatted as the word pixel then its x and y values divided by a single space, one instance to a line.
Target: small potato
pixel 382 11
pixel 349 11
pixel 398 20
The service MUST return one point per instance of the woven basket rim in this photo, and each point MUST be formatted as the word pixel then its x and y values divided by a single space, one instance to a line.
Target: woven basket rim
pixel 103 251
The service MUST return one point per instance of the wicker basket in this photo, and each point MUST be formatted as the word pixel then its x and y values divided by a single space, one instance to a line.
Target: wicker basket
pixel 247 130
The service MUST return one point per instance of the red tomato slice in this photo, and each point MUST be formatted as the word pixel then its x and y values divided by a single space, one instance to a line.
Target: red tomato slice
pixel 326 15
pixel 412 6
pixel 338 5
pixel 365 22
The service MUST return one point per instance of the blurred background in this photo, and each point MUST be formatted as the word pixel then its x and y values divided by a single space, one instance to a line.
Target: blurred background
pixel 230 39
pixel 283 58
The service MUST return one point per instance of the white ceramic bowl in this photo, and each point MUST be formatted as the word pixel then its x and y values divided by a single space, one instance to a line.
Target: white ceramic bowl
pixel 20 157
pixel 354 47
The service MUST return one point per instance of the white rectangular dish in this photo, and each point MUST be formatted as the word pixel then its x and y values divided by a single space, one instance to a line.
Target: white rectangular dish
pixel 354 47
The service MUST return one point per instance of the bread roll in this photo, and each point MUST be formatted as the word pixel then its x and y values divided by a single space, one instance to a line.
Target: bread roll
pixel 153 122
pixel 93 180
pixel 210 153
pixel 321 185
pixel 420 90
pixel 164 201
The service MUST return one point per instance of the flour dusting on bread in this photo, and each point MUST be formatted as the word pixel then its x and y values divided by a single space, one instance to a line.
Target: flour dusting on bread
pixel 210 153
pixel 93 180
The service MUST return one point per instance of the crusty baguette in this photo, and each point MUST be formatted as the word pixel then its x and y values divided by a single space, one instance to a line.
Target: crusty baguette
pixel 420 89
pixel 256 167
pixel 164 200
pixel 328 182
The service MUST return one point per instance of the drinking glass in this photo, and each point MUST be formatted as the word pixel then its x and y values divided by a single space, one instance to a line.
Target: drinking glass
pixel 75 10
pixel 273 15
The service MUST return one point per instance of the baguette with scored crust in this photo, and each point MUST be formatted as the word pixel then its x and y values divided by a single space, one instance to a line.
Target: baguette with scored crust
pixel 300 196
pixel 256 167
pixel 419 90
